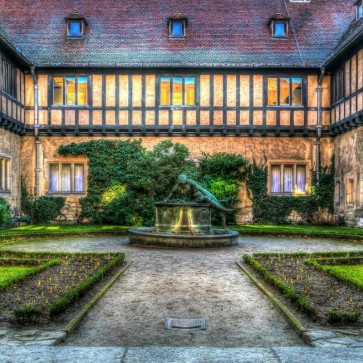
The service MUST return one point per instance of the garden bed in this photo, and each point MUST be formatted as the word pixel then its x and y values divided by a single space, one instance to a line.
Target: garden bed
pixel 310 280
pixel 49 283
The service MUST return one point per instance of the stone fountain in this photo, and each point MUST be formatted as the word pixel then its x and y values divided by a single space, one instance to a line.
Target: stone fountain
pixel 183 219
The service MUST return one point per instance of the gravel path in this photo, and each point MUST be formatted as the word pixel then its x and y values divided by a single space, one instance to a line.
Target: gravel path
pixel 188 283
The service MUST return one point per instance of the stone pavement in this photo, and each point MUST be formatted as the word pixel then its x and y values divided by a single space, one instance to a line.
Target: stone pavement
pixel 30 354
pixel 242 325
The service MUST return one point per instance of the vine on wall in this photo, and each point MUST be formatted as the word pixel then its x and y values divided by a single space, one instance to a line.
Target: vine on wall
pixel 125 179
pixel 276 209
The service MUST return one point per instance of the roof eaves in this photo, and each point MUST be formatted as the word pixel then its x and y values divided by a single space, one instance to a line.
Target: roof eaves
pixel 346 43
pixel 174 65
pixel 7 41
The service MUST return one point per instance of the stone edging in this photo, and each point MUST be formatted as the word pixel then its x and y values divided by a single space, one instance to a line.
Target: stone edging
pixel 74 323
pixel 288 315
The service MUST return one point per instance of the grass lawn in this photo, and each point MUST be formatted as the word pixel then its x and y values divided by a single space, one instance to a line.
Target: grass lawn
pixel 353 274
pixel 31 231
pixel 10 274
pixel 303 230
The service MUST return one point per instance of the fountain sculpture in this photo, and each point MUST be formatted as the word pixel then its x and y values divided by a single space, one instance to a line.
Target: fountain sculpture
pixel 183 219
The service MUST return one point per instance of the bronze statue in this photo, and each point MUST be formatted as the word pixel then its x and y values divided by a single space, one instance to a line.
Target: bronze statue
pixel 190 189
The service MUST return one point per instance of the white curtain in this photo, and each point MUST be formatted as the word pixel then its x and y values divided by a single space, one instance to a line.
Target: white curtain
pixel 53 178
pixel 301 178
pixel 66 178
pixel 275 179
pixel 78 178
pixel 288 179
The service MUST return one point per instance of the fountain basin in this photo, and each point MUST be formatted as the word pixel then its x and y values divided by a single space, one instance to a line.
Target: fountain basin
pixel 148 237
pixel 182 225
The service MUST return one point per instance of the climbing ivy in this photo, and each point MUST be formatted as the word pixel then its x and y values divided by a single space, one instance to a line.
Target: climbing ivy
pixel 125 179
pixel 275 209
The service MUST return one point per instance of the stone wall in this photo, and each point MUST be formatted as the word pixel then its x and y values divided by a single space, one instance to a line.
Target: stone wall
pixel 263 150
pixel 349 169
pixel 10 148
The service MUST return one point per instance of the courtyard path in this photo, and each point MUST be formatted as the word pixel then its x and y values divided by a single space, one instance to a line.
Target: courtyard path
pixel 189 283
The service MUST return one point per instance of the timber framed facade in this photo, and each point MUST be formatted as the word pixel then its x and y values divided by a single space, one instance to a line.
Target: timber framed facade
pixel 290 101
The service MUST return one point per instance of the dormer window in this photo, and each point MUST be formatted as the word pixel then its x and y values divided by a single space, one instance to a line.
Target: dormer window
pixel 359 6
pixel 177 24
pixel 279 26
pixel 76 24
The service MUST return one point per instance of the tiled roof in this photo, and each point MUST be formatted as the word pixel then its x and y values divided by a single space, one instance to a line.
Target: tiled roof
pixel 228 33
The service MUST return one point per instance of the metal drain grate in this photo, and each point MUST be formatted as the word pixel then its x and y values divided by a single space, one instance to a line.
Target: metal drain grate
pixel 199 323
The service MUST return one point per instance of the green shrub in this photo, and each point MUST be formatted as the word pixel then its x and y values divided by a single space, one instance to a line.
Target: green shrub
pixel 342 317
pixel 40 210
pixel 26 314
pixel 5 216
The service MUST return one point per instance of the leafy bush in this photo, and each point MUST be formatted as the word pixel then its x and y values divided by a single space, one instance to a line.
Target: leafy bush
pixel 27 314
pixel 5 215
pixel 41 210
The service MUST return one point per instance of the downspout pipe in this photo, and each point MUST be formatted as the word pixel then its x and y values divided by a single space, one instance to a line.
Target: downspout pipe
pixel 319 92
pixel 36 132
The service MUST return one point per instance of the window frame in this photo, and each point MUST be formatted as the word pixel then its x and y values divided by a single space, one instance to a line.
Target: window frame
pixel 294 164
pixel 184 77
pixel 279 77
pixel 9 79
pixel 338 88
pixel 349 191
pixel 5 174
pixel 73 164
pixel 76 76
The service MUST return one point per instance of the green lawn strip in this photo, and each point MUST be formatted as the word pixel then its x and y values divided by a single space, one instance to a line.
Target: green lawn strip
pixel 72 295
pixel 334 316
pixel 349 272
pixel 287 290
pixel 333 232
pixel 14 274
pixel 35 231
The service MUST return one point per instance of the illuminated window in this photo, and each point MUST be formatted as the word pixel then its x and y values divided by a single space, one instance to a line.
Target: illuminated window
pixel 288 179
pixel 349 192
pixel 284 91
pixel 177 91
pixel 66 178
pixel 5 179
pixel 70 90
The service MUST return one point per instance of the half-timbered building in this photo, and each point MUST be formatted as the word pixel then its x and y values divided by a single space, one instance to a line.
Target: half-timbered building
pixel 276 81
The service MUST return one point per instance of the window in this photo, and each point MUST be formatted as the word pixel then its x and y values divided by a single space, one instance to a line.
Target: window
pixel 280 29
pixel 177 28
pixel 279 26
pixel 66 178
pixel 70 90
pixel 288 179
pixel 349 192
pixel 338 85
pixel 177 90
pixel 359 10
pixel 75 29
pixel 284 91
pixel 177 24
pixel 9 79
pixel 76 23
pixel 5 179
